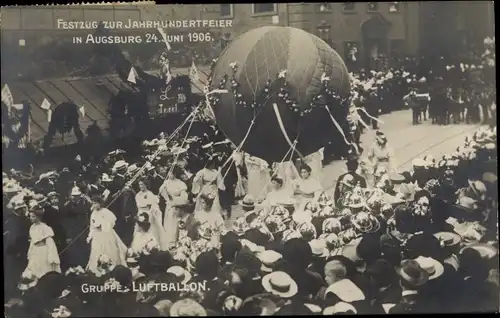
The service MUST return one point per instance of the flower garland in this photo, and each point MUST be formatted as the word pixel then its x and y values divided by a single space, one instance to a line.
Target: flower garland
pixel 326 95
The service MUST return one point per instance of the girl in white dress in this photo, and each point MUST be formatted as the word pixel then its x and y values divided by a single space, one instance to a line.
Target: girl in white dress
pixel 147 202
pixel 208 181
pixel 103 238
pixel 208 217
pixel 279 195
pixel 143 235
pixel 173 190
pixel 42 253
pixel 306 188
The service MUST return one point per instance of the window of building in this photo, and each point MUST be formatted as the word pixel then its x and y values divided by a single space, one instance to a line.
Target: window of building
pixel 394 7
pixel 324 7
pixel 372 6
pixel 226 10
pixel 349 6
pixel 259 8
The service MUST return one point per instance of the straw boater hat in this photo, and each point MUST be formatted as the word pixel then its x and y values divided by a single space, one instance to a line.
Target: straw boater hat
pixel 280 284
pixel 28 280
pixel 479 189
pixel 433 267
pixel 448 239
pixel 413 273
pixel 339 308
pixel 247 202
pixel 132 169
pixel 120 164
pixel 187 308
pixel 181 273
pixel 268 259
pixel 346 291
pixel 240 226
pixel 365 222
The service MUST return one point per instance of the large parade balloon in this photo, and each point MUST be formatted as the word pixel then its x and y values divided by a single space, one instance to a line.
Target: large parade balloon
pixel 281 79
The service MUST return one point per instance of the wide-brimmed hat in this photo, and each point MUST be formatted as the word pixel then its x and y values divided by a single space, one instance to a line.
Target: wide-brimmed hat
pixel 406 192
pixel 331 225
pixel 187 308
pixel 247 202
pixel 281 212
pixel 28 280
pixel 433 267
pixel 280 283
pixel 181 273
pixel 240 226
pixel 318 248
pixel 205 231
pixel 269 259
pixel 290 234
pixel 419 163
pixel 19 204
pixel 307 230
pixel 11 187
pixel 479 188
pixel 120 164
pixel 339 308
pixel 274 224
pixel 397 178
pixel 413 273
pixel 346 291
pixel 448 239
pixel 486 251
pixel 365 222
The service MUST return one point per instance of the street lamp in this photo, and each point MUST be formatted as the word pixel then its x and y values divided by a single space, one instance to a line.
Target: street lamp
pixel 324 31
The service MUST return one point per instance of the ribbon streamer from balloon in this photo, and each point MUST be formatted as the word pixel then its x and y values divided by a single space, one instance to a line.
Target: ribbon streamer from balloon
pixel 341 131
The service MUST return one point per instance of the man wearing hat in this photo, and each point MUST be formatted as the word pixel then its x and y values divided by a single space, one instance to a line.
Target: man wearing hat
pixel 119 178
pixel 352 167
pixel 412 277
pixel 75 217
pixel 16 240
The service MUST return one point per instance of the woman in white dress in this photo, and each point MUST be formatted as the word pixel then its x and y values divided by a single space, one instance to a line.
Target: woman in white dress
pixel 208 181
pixel 143 235
pixel 103 238
pixel 258 177
pixel 42 253
pixel 380 154
pixel 306 188
pixel 208 217
pixel 147 202
pixel 173 190
pixel 279 194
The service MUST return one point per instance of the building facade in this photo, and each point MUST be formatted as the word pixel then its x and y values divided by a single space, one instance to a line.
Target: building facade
pixel 358 28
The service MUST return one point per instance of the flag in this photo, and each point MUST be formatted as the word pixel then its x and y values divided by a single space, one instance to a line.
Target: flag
pixel 164 36
pixel 45 105
pixel 7 97
pixel 82 110
pixel 18 106
pixel 132 75
pixel 193 73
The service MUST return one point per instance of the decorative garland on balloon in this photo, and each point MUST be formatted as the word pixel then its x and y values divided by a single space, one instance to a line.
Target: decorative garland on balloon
pixel 326 96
